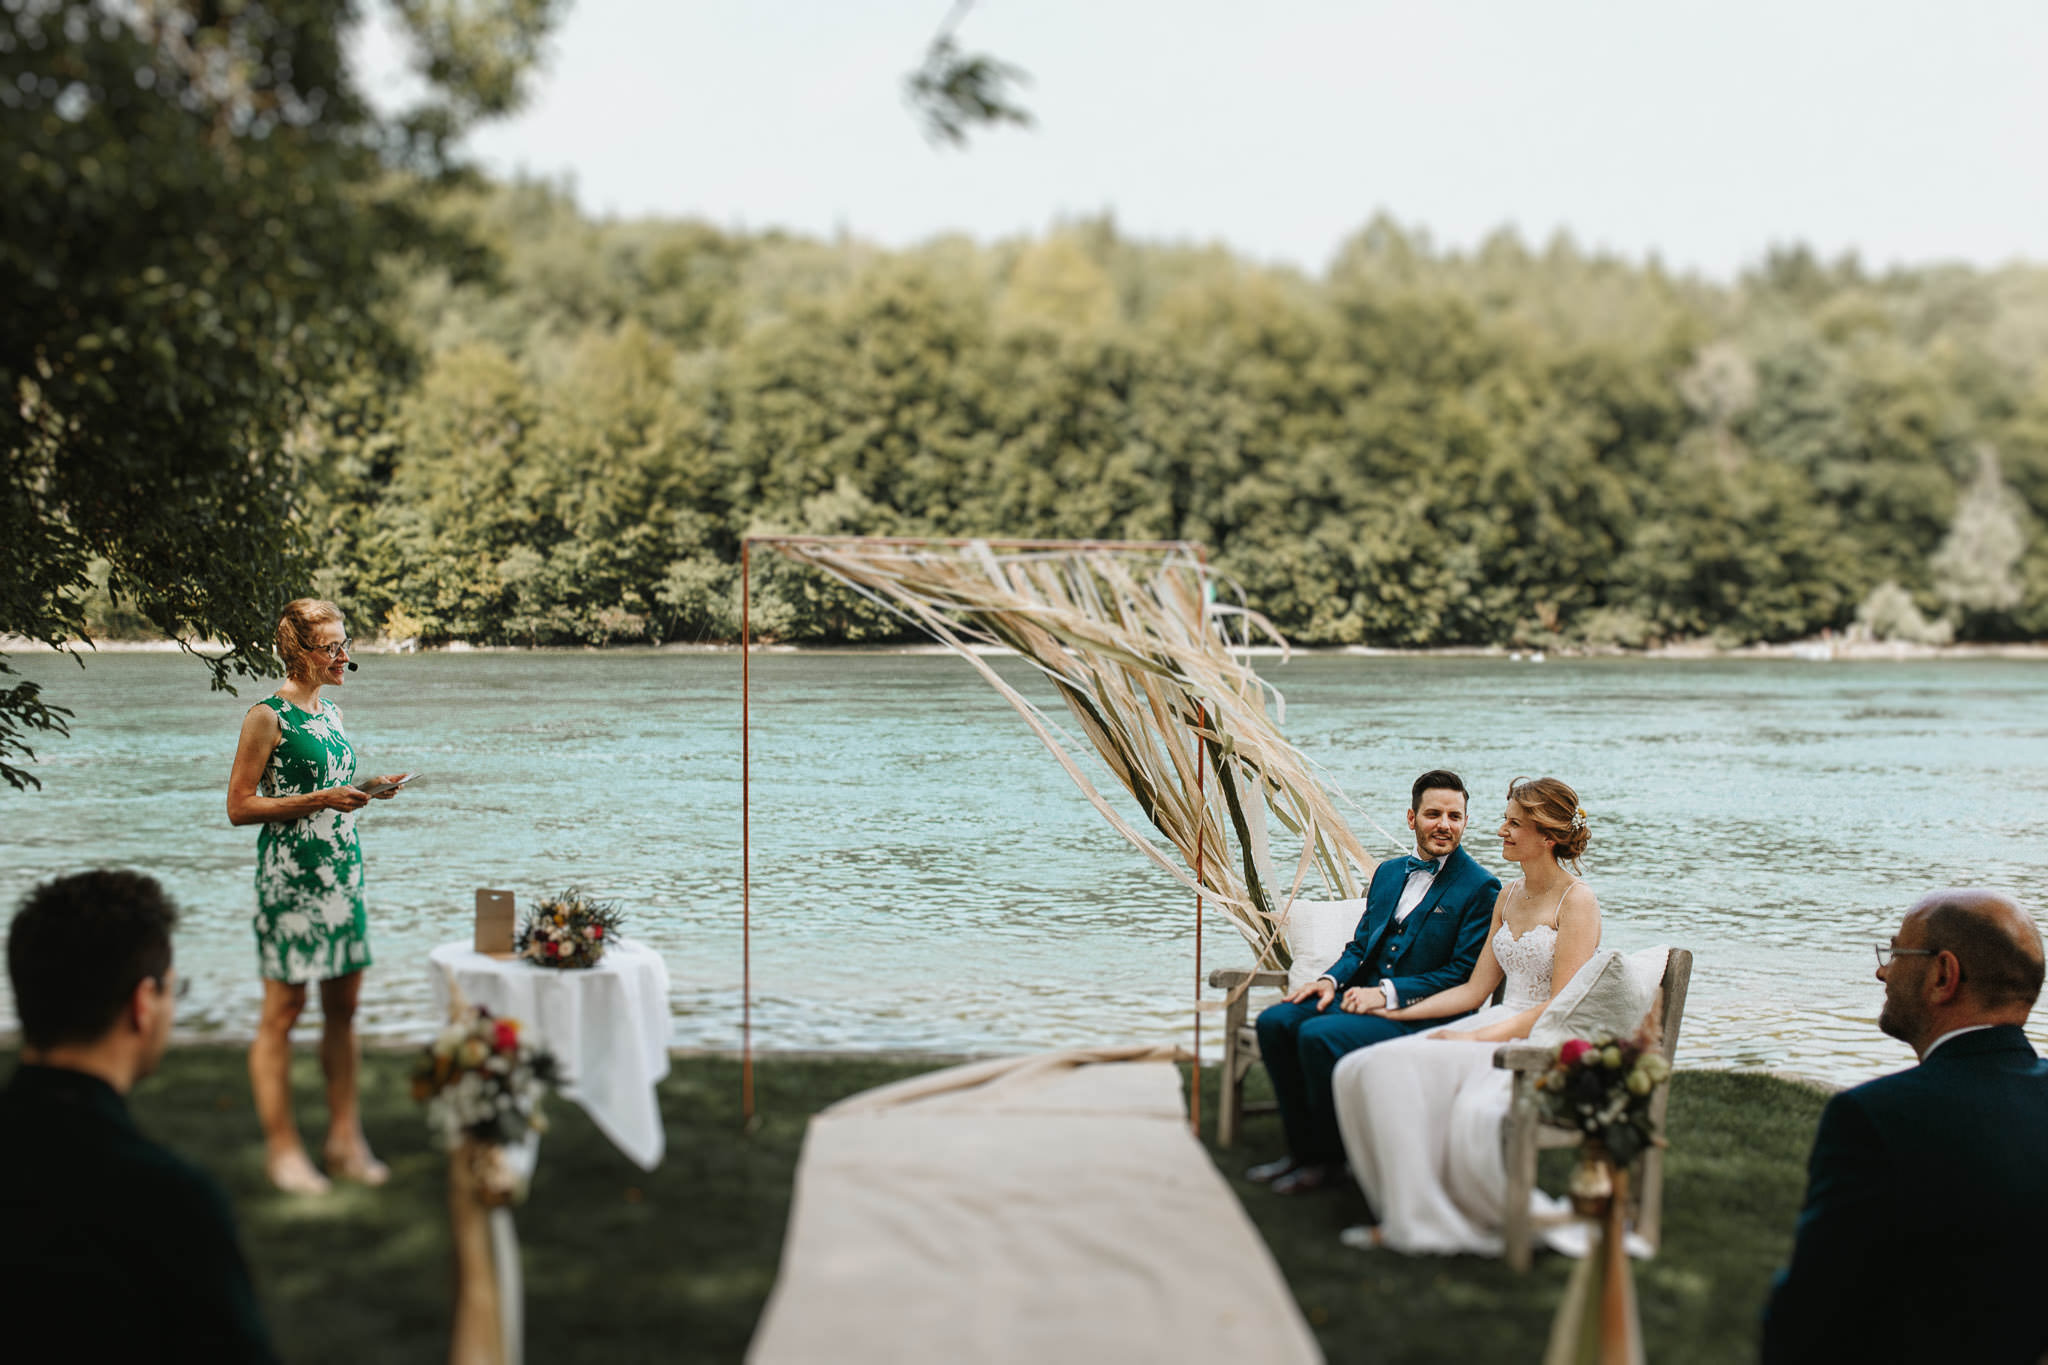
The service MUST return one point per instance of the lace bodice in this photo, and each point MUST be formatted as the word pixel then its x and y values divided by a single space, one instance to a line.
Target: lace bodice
pixel 1527 961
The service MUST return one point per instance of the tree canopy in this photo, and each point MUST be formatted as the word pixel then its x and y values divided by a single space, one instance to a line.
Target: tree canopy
pixel 199 216
pixel 1421 447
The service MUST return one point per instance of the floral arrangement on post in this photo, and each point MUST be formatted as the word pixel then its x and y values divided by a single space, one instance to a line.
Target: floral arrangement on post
pixel 569 930
pixel 1602 1087
pixel 481 1084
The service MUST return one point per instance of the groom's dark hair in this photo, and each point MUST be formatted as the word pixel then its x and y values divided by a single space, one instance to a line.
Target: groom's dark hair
pixel 78 948
pixel 1437 779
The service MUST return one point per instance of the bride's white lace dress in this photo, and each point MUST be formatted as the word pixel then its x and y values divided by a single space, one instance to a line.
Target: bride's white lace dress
pixel 1421 1119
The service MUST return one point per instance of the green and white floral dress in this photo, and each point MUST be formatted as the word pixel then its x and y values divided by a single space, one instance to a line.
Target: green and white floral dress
pixel 309 872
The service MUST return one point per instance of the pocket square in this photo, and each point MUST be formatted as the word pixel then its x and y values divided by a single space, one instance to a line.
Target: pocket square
pixel 1441 910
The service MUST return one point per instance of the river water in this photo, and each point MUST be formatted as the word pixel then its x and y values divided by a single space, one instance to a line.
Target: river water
pixel 926 878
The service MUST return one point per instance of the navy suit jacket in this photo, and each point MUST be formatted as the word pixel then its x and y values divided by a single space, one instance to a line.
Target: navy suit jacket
pixel 1924 1236
pixel 1437 946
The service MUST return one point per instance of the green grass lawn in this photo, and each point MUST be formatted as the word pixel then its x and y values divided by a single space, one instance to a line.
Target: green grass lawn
pixel 1733 1178
pixel 675 1265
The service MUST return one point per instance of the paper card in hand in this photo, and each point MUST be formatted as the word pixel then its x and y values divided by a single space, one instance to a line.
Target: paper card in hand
pixel 494 922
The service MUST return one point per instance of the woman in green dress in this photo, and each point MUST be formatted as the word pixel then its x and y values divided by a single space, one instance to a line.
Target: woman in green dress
pixel 294 775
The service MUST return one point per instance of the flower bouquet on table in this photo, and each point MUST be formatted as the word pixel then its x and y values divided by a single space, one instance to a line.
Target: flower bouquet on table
pixel 569 930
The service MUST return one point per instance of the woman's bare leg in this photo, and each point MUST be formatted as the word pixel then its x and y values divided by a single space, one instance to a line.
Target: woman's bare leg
pixel 348 1151
pixel 270 1079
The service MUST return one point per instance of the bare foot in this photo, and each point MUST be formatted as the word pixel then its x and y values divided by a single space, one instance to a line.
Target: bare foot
pixel 293 1173
pixel 357 1165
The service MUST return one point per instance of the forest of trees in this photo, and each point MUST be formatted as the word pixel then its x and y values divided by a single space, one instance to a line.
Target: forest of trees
pixel 1422 447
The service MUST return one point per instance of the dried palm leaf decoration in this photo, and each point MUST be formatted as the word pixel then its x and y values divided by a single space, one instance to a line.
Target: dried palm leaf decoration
pixel 1132 639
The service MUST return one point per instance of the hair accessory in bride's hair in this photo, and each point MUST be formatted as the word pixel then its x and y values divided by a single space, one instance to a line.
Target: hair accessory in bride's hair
pixel 1578 819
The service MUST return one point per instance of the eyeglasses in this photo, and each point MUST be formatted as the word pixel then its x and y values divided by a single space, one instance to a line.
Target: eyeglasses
pixel 180 988
pixel 1885 953
pixel 335 651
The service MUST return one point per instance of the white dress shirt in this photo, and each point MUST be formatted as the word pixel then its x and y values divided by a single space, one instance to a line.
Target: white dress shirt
pixel 1412 892
pixel 1953 1033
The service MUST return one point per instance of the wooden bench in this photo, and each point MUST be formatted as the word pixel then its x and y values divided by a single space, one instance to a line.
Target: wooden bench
pixel 1241 1043
pixel 1528 1132
pixel 1524 1134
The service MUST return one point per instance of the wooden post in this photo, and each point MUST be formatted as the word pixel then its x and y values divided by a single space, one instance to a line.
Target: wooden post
pixel 1201 824
pixel 478 1337
pixel 1620 1336
pixel 746 842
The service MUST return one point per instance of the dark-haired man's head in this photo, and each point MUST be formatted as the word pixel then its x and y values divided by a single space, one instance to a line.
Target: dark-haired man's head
pixel 1964 958
pixel 1436 812
pixel 89 956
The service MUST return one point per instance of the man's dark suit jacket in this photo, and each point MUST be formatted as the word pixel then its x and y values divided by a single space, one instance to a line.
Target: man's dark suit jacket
pixel 1442 936
pixel 112 1248
pixel 1925 1232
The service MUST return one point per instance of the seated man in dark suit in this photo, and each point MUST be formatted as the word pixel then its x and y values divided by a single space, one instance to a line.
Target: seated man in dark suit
pixel 111 1248
pixel 1927 1196
pixel 1424 925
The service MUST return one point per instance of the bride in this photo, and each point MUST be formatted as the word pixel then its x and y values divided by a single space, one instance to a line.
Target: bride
pixel 1421 1116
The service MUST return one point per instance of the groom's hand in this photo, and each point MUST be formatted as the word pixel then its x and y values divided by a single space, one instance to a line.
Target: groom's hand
pixel 1364 999
pixel 1322 989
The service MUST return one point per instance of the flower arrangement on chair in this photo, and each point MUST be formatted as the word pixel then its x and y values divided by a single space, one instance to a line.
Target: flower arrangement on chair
pixel 1602 1087
pixel 482 1083
pixel 569 930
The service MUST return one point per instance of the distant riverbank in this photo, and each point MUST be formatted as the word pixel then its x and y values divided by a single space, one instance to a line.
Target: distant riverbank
pixel 1841 649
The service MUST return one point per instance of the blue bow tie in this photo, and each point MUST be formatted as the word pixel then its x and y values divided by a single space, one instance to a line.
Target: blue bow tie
pixel 1416 865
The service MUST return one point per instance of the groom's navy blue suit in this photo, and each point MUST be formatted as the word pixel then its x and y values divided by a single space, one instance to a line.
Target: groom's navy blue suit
pixel 1433 949
pixel 1922 1235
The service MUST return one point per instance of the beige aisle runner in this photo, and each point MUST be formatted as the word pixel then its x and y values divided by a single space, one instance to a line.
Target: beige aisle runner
pixel 1044 1209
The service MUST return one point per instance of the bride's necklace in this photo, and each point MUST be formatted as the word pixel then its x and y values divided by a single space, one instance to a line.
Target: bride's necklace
pixel 1525 895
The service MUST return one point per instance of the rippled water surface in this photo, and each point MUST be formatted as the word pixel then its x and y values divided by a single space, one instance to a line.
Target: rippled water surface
pixel 926 877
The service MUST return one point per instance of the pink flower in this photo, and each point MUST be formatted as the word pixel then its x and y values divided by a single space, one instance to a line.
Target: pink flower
pixel 1573 1049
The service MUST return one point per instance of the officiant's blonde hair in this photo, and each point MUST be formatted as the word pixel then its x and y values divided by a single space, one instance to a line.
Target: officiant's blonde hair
pixel 295 633
pixel 1554 809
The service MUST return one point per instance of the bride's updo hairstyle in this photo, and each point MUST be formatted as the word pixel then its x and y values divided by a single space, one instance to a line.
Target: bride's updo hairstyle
pixel 1554 809
pixel 295 633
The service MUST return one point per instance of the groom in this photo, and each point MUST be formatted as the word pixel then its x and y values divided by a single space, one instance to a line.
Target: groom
pixel 1425 923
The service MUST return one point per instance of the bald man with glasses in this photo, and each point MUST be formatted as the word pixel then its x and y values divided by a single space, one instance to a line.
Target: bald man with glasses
pixel 1924 1235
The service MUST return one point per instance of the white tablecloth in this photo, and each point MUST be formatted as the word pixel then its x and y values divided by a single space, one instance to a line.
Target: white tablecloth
pixel 607 1025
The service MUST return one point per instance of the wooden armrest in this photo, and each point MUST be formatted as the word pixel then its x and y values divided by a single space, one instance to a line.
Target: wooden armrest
pixel 1524 1057
pixel 1259 978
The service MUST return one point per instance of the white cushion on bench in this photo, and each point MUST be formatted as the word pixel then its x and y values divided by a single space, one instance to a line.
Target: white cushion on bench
pixel 1317 933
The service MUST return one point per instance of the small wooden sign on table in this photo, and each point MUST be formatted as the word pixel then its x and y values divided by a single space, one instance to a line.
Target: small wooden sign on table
pixel 494 923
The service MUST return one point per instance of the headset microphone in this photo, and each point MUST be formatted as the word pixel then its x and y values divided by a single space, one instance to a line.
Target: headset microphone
pixel 351 665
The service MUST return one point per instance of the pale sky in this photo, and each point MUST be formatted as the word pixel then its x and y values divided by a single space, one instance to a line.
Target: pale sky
pixel 1907 132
